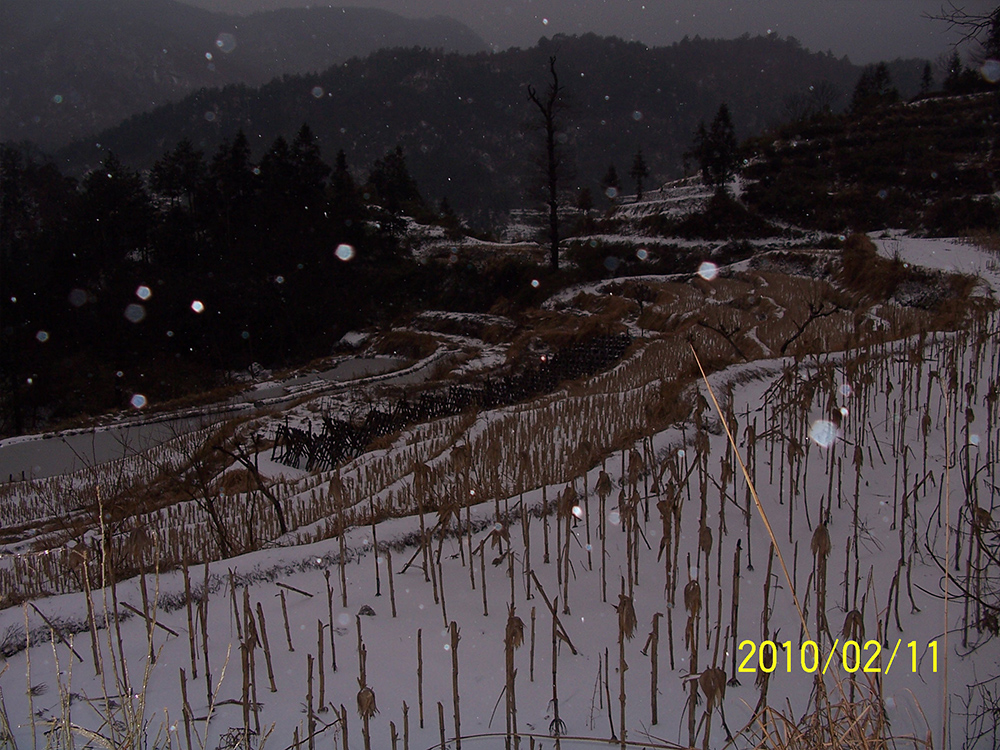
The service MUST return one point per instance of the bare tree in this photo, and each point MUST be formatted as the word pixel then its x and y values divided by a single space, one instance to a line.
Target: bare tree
pixel 980 26
pixel 549 105
pixel 249 461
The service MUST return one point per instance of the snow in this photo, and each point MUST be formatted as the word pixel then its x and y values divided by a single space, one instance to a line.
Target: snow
pixel 793 475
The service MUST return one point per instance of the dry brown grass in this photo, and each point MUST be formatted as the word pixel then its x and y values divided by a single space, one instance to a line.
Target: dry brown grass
pixel 848 725
pixel 987 241
pixel 558 329
pixel 748 315
pixel 235 481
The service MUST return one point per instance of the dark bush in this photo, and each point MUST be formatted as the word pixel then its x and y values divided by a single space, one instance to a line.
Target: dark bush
pixel 955 216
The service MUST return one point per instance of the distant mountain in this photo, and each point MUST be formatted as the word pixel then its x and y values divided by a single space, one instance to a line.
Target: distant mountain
pixel 70 68
pixel 465 123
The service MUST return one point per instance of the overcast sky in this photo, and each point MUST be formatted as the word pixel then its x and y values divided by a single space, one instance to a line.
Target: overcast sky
pixel 864 30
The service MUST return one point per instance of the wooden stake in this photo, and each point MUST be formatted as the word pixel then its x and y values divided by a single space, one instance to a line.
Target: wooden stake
pixel 654 643
pixel 284 614
pixel 454 683
pixel 392 587
pixel 190 620
pixel 267 647
pixel 333 629
pixel 482 567
pixel 186 710
pixel 531 650
pixel 320 666
pixel 420 676
pixel 204 637
pixel 310 715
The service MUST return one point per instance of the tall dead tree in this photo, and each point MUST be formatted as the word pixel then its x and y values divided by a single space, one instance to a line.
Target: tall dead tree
pixel 549 105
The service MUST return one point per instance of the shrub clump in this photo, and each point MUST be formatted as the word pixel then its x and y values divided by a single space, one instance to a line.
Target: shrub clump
pixel 724 218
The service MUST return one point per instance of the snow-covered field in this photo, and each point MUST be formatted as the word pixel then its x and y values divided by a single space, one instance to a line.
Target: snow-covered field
pixel 877 470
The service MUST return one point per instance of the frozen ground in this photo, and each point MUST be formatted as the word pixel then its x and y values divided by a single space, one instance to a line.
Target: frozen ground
pixel 904 438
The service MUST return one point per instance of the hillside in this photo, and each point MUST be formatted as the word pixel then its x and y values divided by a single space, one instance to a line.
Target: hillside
pixel 71 69
pixel 536 499
pixel 465 124
pixel 594 554
pixel 929 165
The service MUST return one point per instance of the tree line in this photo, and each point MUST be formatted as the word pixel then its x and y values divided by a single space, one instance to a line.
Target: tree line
pixel 159 282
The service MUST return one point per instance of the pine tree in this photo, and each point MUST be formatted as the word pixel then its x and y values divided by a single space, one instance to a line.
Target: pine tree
pixel 344 204
pixel 449 219
pixel 232 182
pixel 953 76
pixel 114 218
pixel 392 185
pixel 639 173
pixel 610 183
pixel 310 169
pixel 716 149
pixel 926 80
pixel 873 89
pixel 180 175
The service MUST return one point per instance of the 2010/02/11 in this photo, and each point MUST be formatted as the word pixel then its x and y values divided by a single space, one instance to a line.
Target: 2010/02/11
pixel 852 653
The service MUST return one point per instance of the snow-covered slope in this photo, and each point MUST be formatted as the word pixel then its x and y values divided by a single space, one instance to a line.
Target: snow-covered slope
pixel 894 448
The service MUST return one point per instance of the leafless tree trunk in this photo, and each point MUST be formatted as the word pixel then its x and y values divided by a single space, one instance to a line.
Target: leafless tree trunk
pixel 548 107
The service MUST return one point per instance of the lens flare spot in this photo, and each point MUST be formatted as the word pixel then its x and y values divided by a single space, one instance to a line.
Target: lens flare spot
pixel 226 42
pixel 344 252
pixel 708 270
pixel 642 253
pixel 578 511
pixel 317 92
pixel 611 192
pixel 535 283
pixel 990 71
pixel 614 518
pixel 823 433
pixel 135 313
pixel 138 401
pixel 198 306
pixel 973 439
pixel 846 390
pixel 42 336
pixel 78 298
pixel 144 292
pixel 637 115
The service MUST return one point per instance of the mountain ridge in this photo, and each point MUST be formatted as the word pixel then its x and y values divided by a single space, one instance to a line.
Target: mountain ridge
pixel 73 69
pixel 464 121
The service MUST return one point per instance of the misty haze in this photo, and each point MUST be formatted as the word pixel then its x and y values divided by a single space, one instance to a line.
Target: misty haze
pixel 499 374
